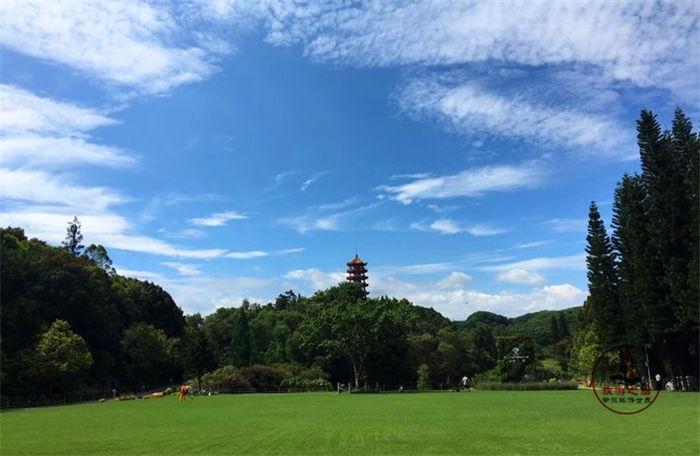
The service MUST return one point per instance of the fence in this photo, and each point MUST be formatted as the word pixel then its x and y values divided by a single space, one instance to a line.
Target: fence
pixel 15 402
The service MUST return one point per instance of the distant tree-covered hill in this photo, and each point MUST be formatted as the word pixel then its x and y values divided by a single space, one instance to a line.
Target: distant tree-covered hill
pixel 71 323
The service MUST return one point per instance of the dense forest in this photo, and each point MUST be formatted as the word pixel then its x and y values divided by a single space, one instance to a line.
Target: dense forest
pixel 643 279
pixel 70 324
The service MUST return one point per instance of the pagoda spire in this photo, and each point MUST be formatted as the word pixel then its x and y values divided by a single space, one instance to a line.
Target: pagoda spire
pixel 357 272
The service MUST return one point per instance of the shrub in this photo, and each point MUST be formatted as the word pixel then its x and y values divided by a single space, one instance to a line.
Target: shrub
pixel 226 379
pixel 168 391
pixel 300 382
pixel 533 386
pixel 262 377
pixel 423 377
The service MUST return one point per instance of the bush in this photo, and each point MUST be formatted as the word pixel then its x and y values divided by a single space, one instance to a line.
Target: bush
pixel 168 391
pixel 423 377
pixel 261 377
pixel 226 379
pixel 300 382
pixel 534 386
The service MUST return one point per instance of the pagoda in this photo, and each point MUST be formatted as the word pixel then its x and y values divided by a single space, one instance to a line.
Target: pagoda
pixel 357 272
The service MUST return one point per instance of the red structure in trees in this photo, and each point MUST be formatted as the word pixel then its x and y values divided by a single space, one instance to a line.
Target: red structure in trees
pixel 357 272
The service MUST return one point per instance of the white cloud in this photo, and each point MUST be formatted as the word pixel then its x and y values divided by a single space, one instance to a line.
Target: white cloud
pixel 246 255
pixel 458 303
pixel 570 262
pixel 484 230
pixel 184 233
pixel 260 253
pixel 218 219
pixel 454 280
pixel 468 183
pixel 449 226
pixel 99 227
pixel 205 294
pixel 183 269
pixel 41 187
pixel 307 183
pixel 410 176
pixel 139 274
pixel 292 250
pixel 40 132
pixel 521 276
pixel 445 226
pixel 567 225
pixel 322 217
pixel 23 112
pixel 59 152
pixel 411 269
pixel 126 43
pixel 472 109
pixel 318 279
pixel 642 42
pixel 529 245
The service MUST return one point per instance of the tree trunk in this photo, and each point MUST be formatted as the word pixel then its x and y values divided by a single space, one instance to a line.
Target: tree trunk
pixel 357 374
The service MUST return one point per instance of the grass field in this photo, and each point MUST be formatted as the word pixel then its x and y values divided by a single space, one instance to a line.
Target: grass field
pixel 485 422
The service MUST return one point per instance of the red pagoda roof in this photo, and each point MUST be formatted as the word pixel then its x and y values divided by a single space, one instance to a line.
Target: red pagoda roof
pixel 357 260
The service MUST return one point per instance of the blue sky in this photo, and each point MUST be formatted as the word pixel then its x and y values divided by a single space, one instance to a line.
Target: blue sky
pixel 231 150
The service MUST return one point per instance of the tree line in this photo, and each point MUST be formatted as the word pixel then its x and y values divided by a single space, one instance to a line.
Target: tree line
pixel 71 323
pixel 643 278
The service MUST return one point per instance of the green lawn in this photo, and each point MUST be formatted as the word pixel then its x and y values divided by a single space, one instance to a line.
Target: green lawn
pixel 485 422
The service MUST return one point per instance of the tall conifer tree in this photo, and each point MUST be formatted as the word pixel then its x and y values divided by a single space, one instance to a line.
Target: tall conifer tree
pixel 683 270
pixel 602 281
pixel 657 174
pixel 631 242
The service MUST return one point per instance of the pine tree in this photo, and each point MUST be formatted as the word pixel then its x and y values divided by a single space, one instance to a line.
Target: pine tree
pixel 633 250
pixel 240 342
pixel 602 281
pixel 657 166
pixel 554 329
pixel 683 270
pixel 74 237
pixel 563 326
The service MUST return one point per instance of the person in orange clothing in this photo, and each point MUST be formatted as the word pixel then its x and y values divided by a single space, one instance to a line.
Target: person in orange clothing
pixel 182 392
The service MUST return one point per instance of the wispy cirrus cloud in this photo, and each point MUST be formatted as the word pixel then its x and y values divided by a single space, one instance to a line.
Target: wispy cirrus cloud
pixel 529 245
pixel 569 262
pixel 470 108
pixel 637 41
pixel 262 253
pixel 520 276
pixel 246 255
pixel 128 43
pixel 307 182
pixel 27 113
pixel 449 226
pixel 468 183
pixel 99 226
pixel 183 269
pixel 567 225
pixel 218 218
pixel 455 279
pixel 329 217
pixel 39 187
pixel 49 152
pixel 36 131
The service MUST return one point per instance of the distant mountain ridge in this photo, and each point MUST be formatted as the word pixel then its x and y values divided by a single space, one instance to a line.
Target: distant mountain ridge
pixel 534 324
